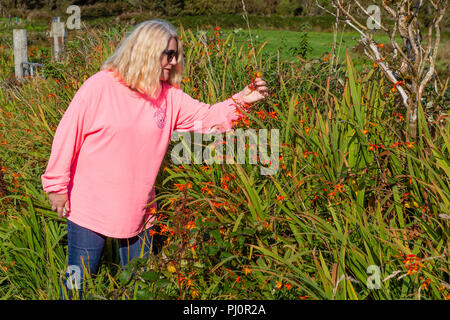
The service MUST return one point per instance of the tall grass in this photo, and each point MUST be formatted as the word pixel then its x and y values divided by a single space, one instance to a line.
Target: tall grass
pixel 350 192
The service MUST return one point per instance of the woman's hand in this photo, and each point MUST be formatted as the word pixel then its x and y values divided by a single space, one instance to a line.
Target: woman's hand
pixel 59 202
pixel 255 91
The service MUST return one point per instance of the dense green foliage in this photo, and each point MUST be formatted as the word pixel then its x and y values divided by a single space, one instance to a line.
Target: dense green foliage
pixel 174 7
pixel 350 192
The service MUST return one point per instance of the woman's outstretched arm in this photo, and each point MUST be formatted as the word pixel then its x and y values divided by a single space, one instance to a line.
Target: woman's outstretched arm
pixel 194 115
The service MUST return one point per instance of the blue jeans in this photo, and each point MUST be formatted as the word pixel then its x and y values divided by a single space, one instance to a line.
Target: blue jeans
pixel 85 250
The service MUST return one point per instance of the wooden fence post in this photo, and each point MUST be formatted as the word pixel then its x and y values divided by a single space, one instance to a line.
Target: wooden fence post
pixel 20 51
pixel 57 34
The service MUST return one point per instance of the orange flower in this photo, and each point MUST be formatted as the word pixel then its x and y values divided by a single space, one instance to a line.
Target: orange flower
pixel 278 285
pixel 206 189
pixel 287 286
pixel 206 168
pixel 410 144
pixel 180 187
pixel 273 115
pixel 425 284
pixel 375 147
pixel 194 293
pixel 191 225
pixel 398 83
pixel 218 205
pixel 413 263
pixel 380 45
pixel 280 198
pixel 246 270
pixel 261 114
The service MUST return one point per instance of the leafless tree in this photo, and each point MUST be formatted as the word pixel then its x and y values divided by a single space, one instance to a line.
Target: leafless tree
pixel 409 66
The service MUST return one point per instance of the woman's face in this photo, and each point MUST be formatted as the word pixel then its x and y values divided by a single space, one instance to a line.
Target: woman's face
pixel 169 58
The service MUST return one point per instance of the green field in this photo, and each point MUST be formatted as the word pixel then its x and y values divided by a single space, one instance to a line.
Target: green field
pixel 281 44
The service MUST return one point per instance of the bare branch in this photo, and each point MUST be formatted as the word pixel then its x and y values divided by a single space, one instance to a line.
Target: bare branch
pixel 392 36
pixel 412 41
pixel 365 11
pixel 347 14
pixel 388 72
pixel 431 71
pixel 389 9
pixel 408 63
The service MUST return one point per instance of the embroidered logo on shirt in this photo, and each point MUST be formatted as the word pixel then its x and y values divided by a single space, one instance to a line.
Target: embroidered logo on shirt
pixel 160 116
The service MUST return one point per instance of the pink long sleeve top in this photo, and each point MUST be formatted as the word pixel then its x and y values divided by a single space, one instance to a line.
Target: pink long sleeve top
pixel 109 145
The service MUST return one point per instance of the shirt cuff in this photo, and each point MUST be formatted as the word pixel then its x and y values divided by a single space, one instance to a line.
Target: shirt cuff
pixel 240 104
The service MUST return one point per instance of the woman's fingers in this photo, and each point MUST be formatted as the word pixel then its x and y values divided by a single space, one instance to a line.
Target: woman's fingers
pixel 60 212
pixel 262 89
pixel 259 82
pixel 261 86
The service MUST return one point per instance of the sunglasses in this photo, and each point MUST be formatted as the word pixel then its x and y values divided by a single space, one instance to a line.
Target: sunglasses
pixel 171 54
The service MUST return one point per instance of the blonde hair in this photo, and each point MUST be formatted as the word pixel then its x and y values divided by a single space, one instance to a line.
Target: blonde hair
pixel 137 60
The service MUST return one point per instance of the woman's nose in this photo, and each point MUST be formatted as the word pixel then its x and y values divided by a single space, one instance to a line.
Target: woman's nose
pixel 173 61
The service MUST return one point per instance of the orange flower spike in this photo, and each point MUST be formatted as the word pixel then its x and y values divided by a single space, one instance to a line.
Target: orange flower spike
pixel 191 225
pixel 180 186
pixel 247 270
pixel 340 187
pixel 410 144
pixel 278 285
pixel 425 284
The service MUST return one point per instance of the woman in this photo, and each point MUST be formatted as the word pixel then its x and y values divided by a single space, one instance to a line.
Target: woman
pixel 110 143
